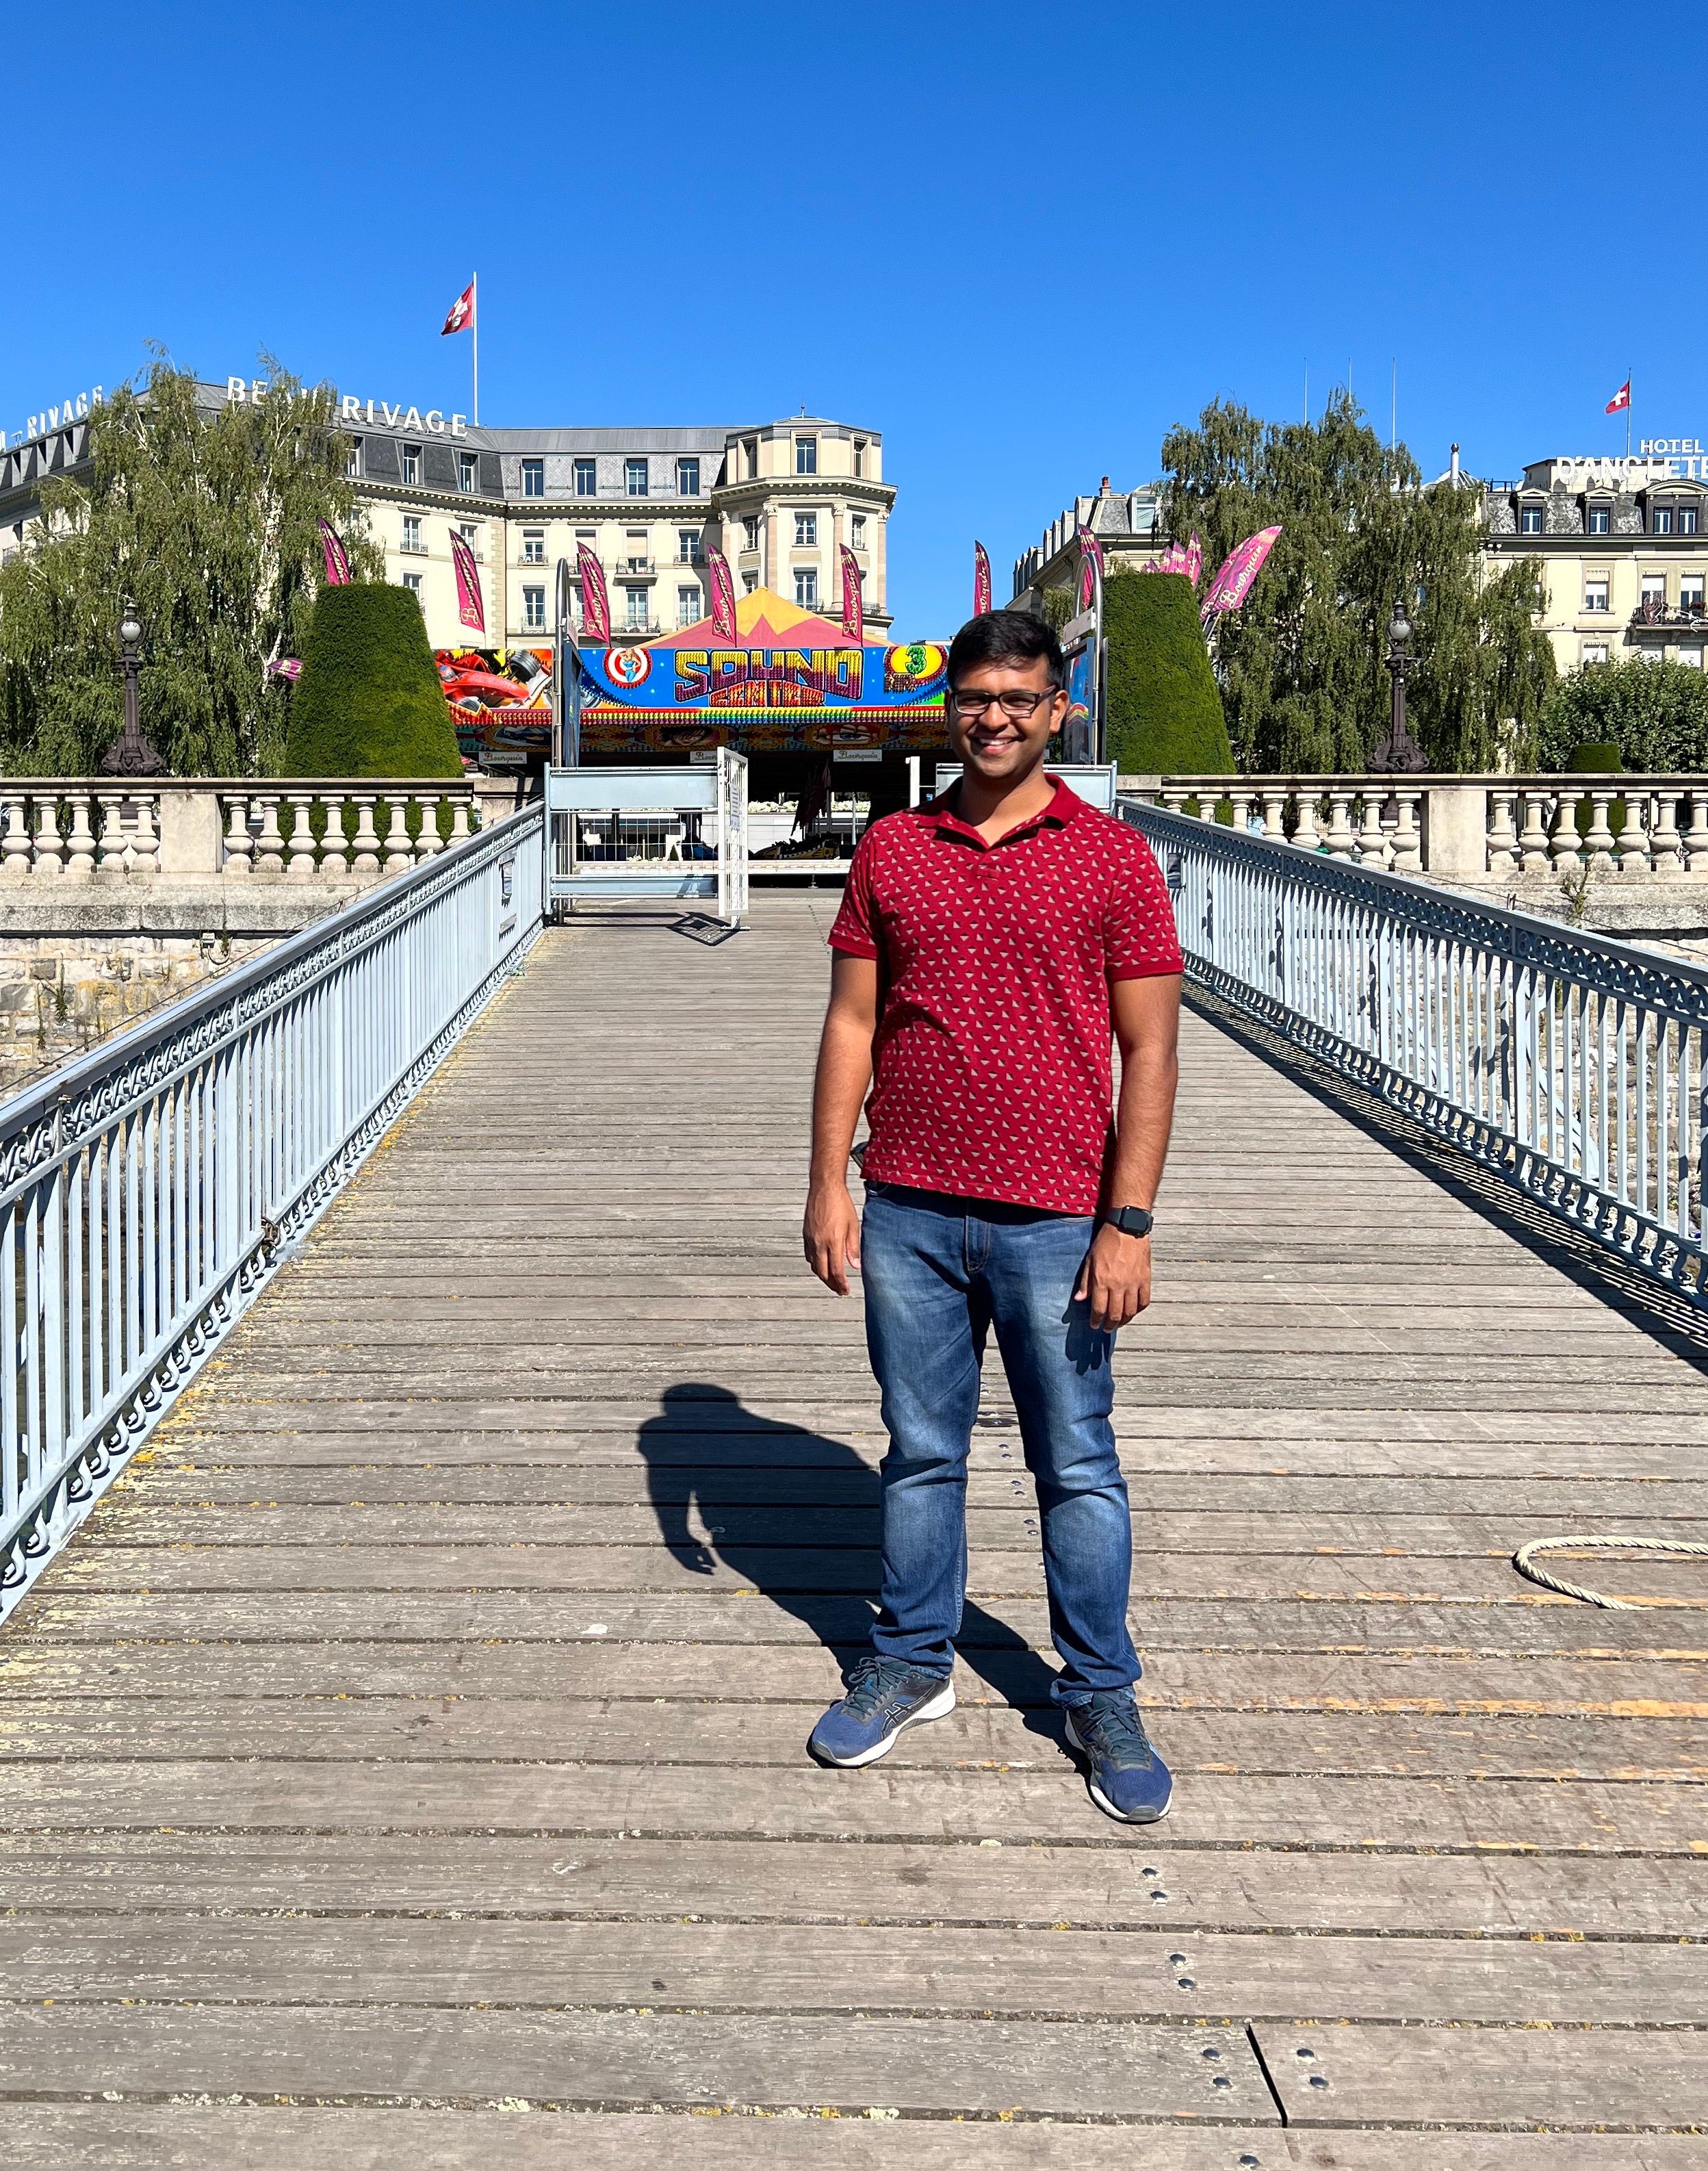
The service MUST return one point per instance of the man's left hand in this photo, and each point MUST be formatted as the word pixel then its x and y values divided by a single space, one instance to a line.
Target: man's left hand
pixel 1115 1280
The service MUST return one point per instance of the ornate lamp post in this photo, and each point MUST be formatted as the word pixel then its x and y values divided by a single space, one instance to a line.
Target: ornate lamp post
pixel 1399 754
pixel 130 754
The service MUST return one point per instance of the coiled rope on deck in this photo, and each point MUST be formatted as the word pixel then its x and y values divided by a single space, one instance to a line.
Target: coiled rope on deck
pixel 1523 1560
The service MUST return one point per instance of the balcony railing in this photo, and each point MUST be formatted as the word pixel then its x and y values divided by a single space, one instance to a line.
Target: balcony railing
pixel 1656 611
pixel 636 569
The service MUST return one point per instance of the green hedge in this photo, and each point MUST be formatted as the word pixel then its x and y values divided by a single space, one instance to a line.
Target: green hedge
pixel 369 702
pixel 1165 712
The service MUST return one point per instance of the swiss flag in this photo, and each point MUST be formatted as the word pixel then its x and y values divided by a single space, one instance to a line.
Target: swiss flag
pixel 462 315
pixel 1622 398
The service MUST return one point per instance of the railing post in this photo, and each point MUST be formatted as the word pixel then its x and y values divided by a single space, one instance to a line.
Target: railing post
pixel 191 842
pixel 1458 839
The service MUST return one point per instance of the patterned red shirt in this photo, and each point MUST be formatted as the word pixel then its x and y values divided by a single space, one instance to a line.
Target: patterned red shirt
pixel 992 1069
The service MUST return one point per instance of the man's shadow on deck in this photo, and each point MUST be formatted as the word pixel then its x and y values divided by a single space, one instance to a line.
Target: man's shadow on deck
pixel 795 1514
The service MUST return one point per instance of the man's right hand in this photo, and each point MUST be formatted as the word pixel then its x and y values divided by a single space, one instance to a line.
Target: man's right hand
pixel 830 1235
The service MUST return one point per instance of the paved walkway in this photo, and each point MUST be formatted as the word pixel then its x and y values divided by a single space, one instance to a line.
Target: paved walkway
pixel 414 1740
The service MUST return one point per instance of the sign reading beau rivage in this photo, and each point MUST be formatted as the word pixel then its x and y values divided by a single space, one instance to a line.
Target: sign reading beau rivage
pixel 378 414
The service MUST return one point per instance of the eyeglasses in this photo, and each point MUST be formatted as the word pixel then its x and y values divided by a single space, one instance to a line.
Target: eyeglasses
pixel 1016 701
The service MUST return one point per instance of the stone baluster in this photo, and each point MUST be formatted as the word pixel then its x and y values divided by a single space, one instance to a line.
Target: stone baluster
pixel 145 845
pixel 1407 838
pixel 1664 840
pixel 16 838
pixel 428 843
pixel 1305 833
pixel 1598 840
pixel 50 852
pixel 1341 843
pixel 1173 801
pixel 269 844
pixel 112 845
pixel 1533 841
pixel 1371 837
pixel 80 838
pixel 1567 858
pixel 1503 838
pixel 300 866
pixel 398 856
pixel 1633 835
pixel 239 847
pixel 461 805
pixel 1240 802
pixel 336 851
pixel 1696 837
pixel 364 845
pixel 1275 814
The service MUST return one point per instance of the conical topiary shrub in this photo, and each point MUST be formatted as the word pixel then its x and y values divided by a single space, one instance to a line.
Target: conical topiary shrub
pixel 1164 713
pixel 369 702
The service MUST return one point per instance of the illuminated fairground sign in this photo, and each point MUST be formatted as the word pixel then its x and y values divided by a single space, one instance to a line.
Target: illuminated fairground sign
pixel 791 681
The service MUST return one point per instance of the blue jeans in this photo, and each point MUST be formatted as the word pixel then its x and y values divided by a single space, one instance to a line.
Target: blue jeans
pixel 940 1272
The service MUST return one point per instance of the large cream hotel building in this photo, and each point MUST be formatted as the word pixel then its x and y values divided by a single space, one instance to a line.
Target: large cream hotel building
pixel 779 499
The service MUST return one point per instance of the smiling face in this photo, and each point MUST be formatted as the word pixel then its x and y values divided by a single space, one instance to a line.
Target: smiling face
pixel 993 743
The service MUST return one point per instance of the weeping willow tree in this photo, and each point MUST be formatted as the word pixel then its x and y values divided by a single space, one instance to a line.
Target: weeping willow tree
pixel 208 519
pixel 1304 683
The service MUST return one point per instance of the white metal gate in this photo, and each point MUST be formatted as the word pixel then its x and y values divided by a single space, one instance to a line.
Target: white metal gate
pixel 621 834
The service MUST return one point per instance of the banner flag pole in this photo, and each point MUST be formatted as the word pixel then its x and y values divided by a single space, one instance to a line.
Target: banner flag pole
pixel 474 326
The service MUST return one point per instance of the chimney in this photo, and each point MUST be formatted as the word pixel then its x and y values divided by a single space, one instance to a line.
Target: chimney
pixel 1453 469
pixel 1103 487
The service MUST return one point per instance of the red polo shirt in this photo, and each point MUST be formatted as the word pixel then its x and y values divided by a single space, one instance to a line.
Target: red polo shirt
pixel 993 1071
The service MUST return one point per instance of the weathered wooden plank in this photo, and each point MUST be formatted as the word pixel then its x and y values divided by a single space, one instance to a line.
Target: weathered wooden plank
pixel 1222 1808
pixel 929 2067
pixel 985 1972
pixel 724 1733
pixel 1632 2080
pixel 135 2136
pixel 1006 1526
pixel 210 1481
pixel 1524 1622
pixel 1147 1881
pixel 1600 1688
pixel 519 1566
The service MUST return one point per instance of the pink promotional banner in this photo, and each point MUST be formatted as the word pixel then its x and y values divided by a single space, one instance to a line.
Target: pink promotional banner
pixel 337 559
pixel 980 580
pixel 470 609
pixel 596 604
pixel 1195 560
pixel 1240 569
pixel 1090 568
pixel 854 614
pixel 723 589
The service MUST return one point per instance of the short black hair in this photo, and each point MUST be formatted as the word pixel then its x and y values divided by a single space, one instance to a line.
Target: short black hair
pixel 1006 636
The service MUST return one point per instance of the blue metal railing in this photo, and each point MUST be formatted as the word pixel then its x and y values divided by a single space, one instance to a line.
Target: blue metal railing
pixel 147 1188
pixel 1576 1066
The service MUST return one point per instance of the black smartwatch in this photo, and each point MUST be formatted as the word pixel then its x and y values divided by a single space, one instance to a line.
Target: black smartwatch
pixel 1131 1220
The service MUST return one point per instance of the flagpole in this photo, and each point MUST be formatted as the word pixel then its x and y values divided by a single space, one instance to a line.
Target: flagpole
pixel 1629 382
pixel 474 285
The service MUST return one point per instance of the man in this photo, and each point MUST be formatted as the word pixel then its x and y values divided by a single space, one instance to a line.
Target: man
pixel 988 944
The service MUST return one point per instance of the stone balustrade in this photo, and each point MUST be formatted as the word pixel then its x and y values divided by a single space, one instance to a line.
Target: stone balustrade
pixel 1466 828
pixel 319 829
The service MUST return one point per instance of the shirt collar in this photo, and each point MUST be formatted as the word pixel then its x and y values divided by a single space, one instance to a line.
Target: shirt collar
pixel 1065 806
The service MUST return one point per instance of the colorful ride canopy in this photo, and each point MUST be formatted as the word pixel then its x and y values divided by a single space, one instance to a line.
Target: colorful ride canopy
pixel 790 682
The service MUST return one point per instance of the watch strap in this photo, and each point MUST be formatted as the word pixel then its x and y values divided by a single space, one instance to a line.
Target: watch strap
pixel 1131 1220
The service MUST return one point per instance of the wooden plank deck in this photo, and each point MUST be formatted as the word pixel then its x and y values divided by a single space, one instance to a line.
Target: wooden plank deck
pixel 406 1765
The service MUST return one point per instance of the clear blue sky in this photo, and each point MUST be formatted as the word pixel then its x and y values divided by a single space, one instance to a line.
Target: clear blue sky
pixel 1021 241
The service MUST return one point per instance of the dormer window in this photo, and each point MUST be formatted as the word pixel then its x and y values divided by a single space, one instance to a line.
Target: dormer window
pixel 1599 519
pixel 1661 520
pixel 1529 520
